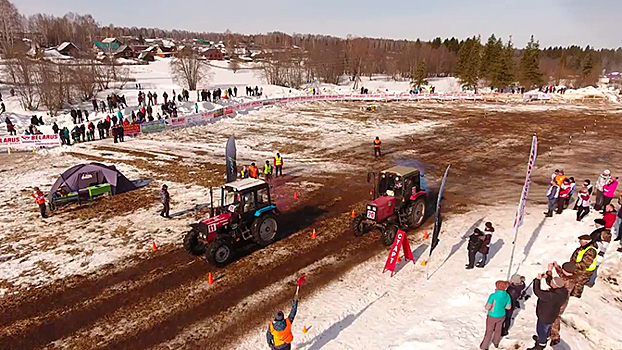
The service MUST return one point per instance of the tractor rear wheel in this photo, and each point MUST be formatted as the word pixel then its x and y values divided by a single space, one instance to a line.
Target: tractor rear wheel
pixel 192 244
pixel 265 229
pixel 358 225
pixel 387 236
pixel 219 252
pixel 417 212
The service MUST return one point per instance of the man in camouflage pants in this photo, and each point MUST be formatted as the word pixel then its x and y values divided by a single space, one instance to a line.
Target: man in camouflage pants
pixel 567 273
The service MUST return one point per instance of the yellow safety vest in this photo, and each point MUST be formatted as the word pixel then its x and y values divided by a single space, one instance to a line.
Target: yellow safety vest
pixel 267 169
pixel 580 258
pixel 278 161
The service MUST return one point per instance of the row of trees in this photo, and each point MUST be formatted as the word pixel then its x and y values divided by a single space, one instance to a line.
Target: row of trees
pixel 52 85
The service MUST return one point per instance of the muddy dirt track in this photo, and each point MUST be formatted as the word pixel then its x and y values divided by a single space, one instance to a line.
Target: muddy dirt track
pixel 165 302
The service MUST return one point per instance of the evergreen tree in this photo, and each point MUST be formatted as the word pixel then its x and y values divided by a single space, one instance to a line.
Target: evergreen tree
pixel 419 77
pixel 491 59
pixel 469 57
pixel 531 75
pixel 505 73
pixel 587 70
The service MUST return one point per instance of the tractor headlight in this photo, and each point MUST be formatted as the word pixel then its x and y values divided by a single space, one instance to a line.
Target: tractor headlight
pixel 369 207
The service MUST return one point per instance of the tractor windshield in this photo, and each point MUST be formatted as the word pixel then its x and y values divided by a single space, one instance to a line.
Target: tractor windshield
pixel 229 197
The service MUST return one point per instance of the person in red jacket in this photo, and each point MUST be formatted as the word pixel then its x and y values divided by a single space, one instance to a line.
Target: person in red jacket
pixel 610 216
pixel 564 193
pixel 278 164
pixel 40 200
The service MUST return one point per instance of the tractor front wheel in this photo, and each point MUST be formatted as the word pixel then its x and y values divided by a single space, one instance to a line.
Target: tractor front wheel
pixel 192 244
pixel 219 252
pixel 359 226
pixel 387 236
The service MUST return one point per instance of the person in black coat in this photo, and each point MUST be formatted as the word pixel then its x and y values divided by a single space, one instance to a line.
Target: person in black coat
pixel 475 243
pixel 55 128
pixel 515 290
pixel 548 307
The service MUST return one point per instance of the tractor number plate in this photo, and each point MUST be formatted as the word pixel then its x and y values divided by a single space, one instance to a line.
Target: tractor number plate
pixel 211 228
pixel 371 214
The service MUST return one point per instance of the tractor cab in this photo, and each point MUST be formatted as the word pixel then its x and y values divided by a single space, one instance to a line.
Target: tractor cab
pixel 399 182
pixel 246 198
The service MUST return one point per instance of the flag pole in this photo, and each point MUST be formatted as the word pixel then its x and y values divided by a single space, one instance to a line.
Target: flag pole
pixel 520 212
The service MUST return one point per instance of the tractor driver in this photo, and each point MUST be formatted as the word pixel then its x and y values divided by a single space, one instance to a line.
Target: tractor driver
pixel 398 188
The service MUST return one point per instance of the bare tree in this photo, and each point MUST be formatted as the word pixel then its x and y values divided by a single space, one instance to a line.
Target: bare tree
pixel 22 74
pixel 189 70
pixel 10 24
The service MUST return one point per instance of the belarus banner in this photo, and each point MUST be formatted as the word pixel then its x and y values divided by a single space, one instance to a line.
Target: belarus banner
pixel 400 241
pixel 41 140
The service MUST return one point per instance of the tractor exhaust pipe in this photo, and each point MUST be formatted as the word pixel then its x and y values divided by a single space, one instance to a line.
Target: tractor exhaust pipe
pixel 211 201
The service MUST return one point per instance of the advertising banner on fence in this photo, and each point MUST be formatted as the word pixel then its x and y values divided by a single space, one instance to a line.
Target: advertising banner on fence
pixel 131 129
pixel 176 122
pixel 154 126
pixel 48 140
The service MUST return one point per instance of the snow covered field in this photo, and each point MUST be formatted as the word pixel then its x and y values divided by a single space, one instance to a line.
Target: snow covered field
pixel 144 299
pixel 366 309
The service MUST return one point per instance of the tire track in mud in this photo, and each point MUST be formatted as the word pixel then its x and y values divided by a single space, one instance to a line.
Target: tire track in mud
pixel 58 315
pixel 478 163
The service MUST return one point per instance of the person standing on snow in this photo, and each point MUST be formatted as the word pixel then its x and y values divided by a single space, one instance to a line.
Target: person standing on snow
pixel 609 191
pixel 475 243
pixel 552 195
pixel 566 272
pixel 515 290
pixel 602 180
pixel 278 164
pixel 279 334
pixel 564 194
pixel 601 238
pixel 40 200
pixel 585 259
pixel 165 197
pixel 267 171
pixel 485 248
pixel 583 204
pixel 377 144
pixel 548 307
pixel 496 306
pixel 253 171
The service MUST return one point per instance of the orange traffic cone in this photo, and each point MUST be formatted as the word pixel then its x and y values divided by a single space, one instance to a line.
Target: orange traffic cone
pixel 399 259
pixel 304 329
pixel 353 215
pixel 313 235
pixel 154 246
pixel 210 278
pixel 426 235
pixel 424 262
pixel 295 195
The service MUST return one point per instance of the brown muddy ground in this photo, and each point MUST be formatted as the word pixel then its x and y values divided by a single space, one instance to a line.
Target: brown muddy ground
pixel 165 302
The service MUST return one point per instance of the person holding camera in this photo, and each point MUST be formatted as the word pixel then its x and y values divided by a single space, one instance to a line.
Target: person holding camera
pixel 548 307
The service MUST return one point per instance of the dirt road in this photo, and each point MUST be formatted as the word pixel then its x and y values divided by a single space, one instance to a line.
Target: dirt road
pixel 165 301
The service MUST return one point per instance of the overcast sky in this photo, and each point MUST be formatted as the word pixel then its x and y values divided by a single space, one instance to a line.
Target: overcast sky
pixel 553 22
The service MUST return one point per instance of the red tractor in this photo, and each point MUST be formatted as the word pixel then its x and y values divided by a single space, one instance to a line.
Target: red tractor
pixel 246 213
pixel 399 203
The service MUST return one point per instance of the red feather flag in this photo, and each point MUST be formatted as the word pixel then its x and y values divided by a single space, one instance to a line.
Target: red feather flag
pixel 301 279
